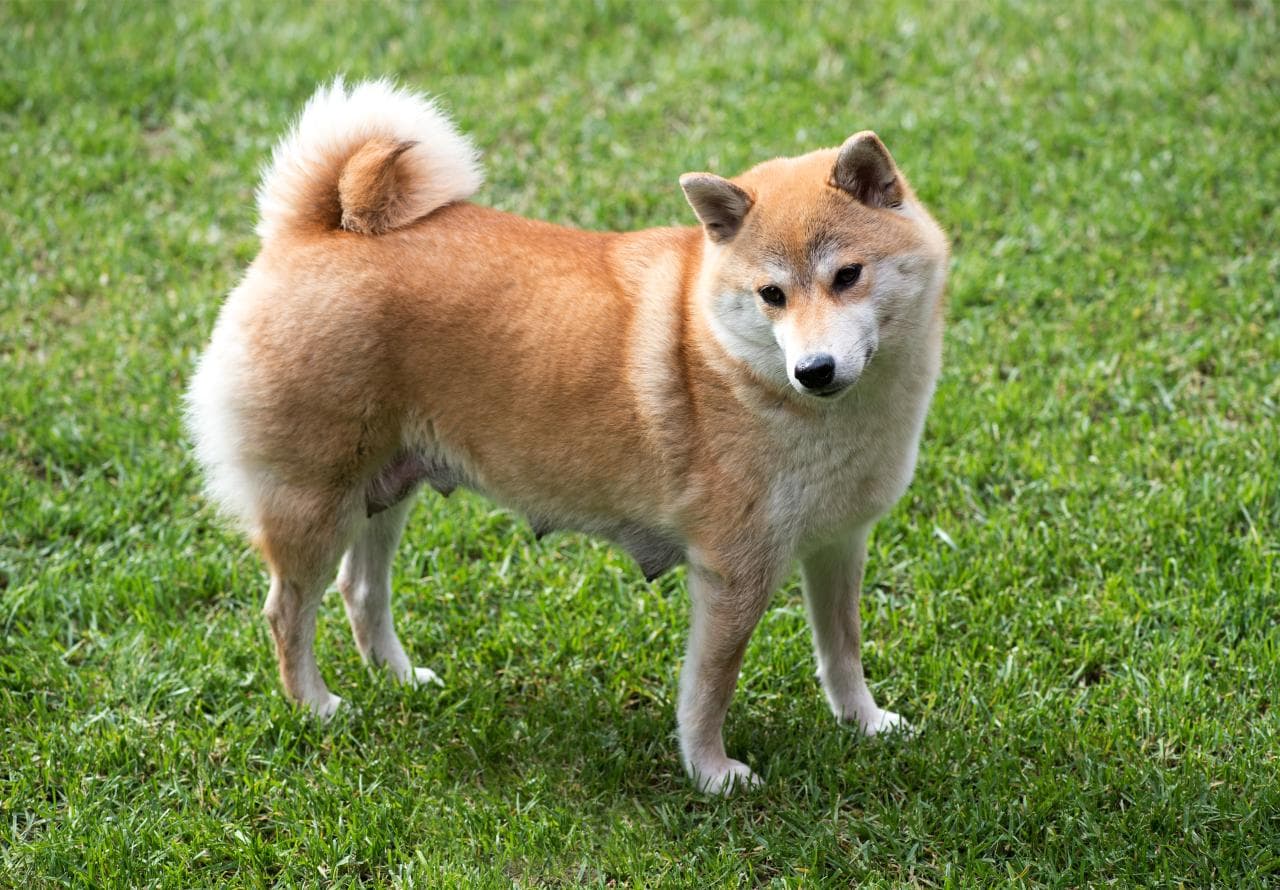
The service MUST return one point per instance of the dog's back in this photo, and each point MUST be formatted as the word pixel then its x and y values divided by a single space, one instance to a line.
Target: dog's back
pixel 385 313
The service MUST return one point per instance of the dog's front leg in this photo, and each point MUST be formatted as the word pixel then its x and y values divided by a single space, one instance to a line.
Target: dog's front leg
pixel 832 591
pixel 724 614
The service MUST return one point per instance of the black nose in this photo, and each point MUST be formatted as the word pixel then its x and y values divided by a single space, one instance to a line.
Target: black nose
pixel 816 371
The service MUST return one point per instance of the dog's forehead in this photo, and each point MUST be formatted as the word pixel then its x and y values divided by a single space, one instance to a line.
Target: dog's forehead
pixel 805 223
pixel 798 257
pixel 829 231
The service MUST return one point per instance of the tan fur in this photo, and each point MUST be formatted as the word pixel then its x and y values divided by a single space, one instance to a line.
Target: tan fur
pixel 573 376
pixel 372 186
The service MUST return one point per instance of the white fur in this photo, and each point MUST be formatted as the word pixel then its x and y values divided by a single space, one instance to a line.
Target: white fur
pixel 736 320
pixel 337 121
pixel 365 581
pixel 213 419
pixel 852 330
pixel 832 587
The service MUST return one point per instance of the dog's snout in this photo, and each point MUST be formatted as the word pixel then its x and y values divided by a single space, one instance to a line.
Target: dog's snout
pixel 816 371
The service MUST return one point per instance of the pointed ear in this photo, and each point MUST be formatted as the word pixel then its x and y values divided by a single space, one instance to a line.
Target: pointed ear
pixel 720 205
pixel 865 170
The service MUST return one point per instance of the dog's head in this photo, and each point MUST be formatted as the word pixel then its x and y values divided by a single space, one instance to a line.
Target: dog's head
pixel 815 264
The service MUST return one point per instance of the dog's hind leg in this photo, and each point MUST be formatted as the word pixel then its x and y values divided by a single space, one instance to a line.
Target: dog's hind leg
pixel 301 539
pixel 832 591
pixel 365 582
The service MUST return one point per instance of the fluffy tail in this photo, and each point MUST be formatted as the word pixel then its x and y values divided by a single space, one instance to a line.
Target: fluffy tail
pixel 367 159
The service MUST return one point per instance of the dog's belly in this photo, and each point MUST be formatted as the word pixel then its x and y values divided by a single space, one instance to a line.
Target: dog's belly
pixel 654 551
pixel 402 476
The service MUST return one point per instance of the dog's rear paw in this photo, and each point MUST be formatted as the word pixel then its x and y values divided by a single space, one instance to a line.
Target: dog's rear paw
pixel 424 677
pixel 324 707
pixel 724 778
pixel 883 723
pixel 404 672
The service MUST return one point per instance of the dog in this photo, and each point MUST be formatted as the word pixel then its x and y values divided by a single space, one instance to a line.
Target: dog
pixel 737 396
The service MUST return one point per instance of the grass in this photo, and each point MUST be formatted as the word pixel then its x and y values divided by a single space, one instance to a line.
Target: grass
pixel 1077 601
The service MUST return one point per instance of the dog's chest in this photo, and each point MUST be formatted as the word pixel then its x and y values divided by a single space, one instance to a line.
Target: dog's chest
pixel 846 469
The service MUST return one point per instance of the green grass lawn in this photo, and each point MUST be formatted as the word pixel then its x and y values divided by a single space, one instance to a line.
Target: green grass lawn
pixel 1078 601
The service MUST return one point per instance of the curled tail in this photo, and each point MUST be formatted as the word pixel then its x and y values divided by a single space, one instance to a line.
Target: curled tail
pixel 367 159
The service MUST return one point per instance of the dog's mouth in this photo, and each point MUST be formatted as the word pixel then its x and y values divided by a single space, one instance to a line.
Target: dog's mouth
pixel 829 392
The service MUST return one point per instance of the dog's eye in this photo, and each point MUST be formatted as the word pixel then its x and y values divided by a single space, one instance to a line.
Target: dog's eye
pixel 773 295
pixel 848 276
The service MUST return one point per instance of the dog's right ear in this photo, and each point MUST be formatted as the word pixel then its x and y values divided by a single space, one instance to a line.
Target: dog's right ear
pixel 720 205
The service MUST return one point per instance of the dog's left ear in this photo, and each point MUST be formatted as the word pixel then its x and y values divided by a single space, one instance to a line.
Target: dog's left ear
pixel 865 169
pixel 720 205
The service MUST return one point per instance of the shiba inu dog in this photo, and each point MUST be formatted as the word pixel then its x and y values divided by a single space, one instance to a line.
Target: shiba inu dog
pixel 737 396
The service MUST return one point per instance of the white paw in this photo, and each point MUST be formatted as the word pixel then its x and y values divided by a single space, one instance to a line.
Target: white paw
pixel 423 677
pixel 325 706
pixel 725 777
pixel 403 672
pixel 883 722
